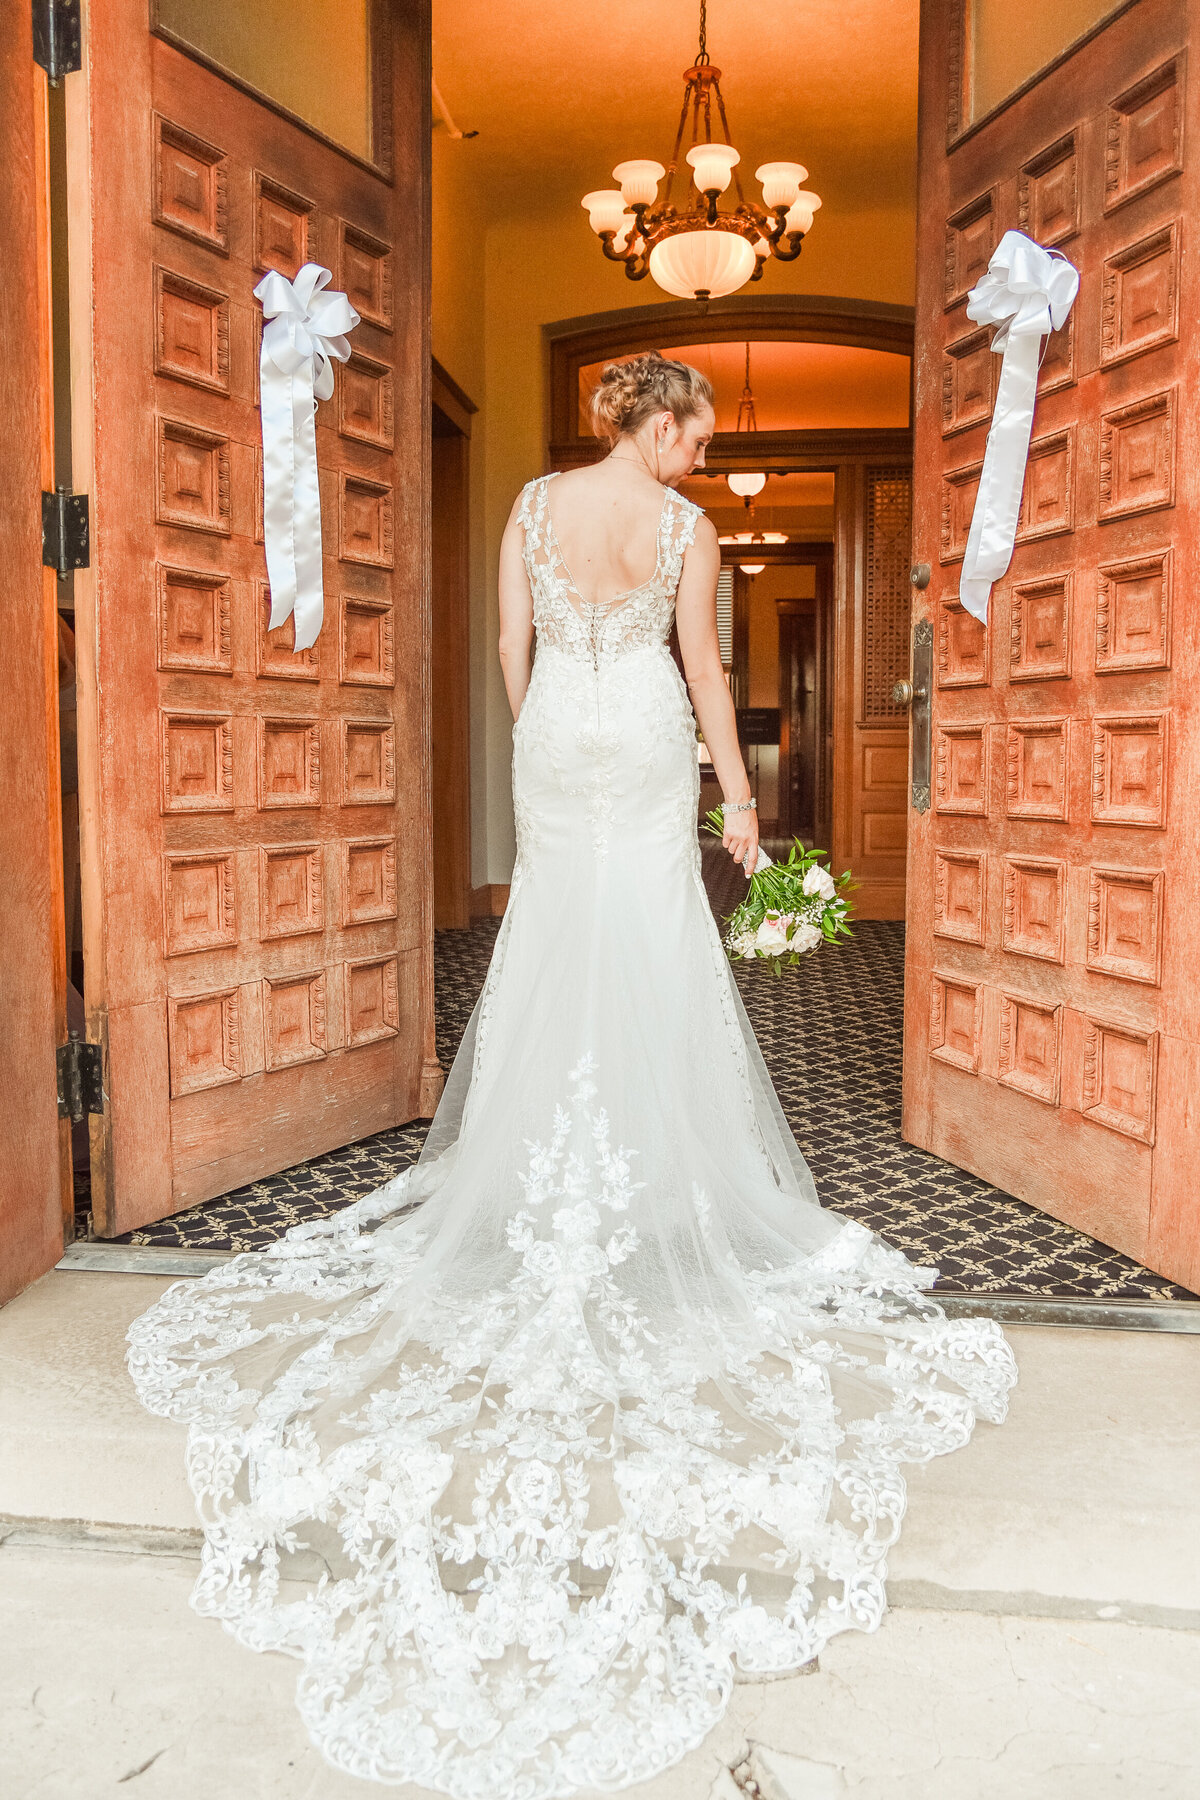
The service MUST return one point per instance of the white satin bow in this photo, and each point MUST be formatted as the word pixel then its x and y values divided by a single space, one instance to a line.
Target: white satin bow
pixel 1027 292
pixel 303 335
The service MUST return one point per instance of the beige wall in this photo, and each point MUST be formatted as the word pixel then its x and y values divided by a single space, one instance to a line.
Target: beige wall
pixel 487 323
pixel 459 231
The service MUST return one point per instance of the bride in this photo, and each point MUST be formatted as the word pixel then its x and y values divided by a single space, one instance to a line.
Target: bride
pixel 526 1454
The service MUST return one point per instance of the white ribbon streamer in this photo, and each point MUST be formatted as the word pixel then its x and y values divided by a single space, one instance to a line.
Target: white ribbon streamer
pixel 1027 292
pixel 303 334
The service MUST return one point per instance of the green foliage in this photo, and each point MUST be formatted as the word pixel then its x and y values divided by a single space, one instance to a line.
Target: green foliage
pixel 776 900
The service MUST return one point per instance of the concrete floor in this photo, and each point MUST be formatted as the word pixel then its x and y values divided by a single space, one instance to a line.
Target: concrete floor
pixel 1044 1642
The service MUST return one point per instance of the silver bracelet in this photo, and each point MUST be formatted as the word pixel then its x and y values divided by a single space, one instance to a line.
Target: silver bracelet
pixel 731 806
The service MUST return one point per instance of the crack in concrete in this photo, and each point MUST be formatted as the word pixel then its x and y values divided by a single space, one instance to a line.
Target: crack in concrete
pixel 142 1767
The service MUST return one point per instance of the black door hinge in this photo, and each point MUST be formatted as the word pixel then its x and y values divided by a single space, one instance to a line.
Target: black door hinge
pixel 65 539
pixel 57 38
pixel 80 1079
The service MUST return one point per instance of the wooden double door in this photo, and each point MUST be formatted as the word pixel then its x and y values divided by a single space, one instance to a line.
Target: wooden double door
pixel 1052 1032
pixel 255 823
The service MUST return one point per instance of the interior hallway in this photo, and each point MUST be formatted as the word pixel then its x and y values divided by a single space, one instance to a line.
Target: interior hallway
pixel 1039 1645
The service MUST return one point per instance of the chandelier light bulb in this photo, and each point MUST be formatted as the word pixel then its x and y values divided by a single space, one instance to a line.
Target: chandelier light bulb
pixel 746 485
pixel 605 209
pixel 712 165
pixel 702 265
pixel 780 182
pixel 800 212
pixel 639 181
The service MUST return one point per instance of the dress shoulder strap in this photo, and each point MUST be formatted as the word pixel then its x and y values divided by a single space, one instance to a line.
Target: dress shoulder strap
pixel 533 516
pixel 532 500
pixel 679 521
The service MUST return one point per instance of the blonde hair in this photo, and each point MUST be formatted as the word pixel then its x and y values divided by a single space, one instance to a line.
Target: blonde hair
pixel 629 393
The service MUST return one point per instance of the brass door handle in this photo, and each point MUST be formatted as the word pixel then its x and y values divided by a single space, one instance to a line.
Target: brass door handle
pixel 902 693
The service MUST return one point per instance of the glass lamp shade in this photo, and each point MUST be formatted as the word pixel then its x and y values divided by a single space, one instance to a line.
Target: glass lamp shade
pixel 639 181
pixel 746 485
pixel 800 213
pixel 712 166
pixel 622 238
pixel 605 209
pixel 762 248
pixel 780 182
pixel 695 263
pixel 752 568
pixel 774 537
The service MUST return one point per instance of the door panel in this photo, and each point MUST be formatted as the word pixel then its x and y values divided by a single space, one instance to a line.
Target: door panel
pixel 35 1191
pixel 257 903
pixel 1052 1018
pixel 883 554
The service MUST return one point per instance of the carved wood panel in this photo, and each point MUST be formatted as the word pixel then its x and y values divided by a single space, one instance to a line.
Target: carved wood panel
pixel 886 610
pixel 1053 1024
pixel 265 919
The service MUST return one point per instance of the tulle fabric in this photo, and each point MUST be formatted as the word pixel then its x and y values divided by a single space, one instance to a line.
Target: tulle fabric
pixel 527 1453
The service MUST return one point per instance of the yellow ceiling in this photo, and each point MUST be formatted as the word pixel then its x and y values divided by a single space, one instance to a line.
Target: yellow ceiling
pixel 560 91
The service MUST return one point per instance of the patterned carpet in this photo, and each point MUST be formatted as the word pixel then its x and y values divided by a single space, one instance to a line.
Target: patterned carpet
pixel 831 1035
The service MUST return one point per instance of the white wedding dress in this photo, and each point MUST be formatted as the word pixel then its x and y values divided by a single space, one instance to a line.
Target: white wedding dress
pixel 524 1472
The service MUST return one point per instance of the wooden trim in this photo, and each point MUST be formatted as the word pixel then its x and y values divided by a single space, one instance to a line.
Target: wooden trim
pixel 961 73
pixel 452 400
pixel 36 1180
pixel 775 452
pixel 813 319
pixel 739 670
pixel 411 69
pixel 55 899
pixel 849 500
pixel 450 744
pixel 382 165
pixel 490 901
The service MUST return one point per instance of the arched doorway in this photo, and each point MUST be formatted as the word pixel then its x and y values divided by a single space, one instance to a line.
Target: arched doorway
pixel 832 386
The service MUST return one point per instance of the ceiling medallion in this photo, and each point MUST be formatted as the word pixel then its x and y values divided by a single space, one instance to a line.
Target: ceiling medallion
pixel 697 250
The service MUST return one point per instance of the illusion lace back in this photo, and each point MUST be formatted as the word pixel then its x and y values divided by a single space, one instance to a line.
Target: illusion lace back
pixel 524 1454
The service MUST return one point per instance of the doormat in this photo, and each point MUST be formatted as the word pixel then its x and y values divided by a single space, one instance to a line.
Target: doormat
pixel 831 1035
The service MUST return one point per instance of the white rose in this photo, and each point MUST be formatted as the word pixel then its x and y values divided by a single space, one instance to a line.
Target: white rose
pixel 534 1489
pixel 819 881
pixel 772 934
pixel 544 1259
pixel 804 938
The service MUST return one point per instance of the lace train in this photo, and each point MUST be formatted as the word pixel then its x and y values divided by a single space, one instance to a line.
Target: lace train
pixel 528 1560
pixel 524 1454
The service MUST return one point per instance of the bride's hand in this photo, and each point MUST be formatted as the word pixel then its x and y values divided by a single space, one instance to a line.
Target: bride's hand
pixel 741 839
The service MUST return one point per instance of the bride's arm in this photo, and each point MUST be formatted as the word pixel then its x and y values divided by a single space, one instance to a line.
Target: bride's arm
pixel 696 620
pixel 516 612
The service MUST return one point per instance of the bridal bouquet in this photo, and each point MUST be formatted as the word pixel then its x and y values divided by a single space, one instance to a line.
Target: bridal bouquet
pixel 790 909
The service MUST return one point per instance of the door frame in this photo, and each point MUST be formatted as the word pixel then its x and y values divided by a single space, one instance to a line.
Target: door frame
pixel 848 455
pixel 452 412
pixel 36 1191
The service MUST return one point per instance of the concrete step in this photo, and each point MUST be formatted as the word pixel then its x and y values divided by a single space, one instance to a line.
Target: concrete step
pixel 163 1705
pixel 1080 1506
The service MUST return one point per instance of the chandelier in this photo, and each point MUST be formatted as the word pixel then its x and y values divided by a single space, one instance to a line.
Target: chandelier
pixel 742 482
pixel 696 250
pixel 748 542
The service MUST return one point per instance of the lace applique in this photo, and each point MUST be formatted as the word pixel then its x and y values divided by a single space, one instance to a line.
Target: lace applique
pixel 535 1544
pixel 591 630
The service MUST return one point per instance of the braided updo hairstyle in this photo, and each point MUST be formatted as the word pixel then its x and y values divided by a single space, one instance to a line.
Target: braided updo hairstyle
pixel 629 393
